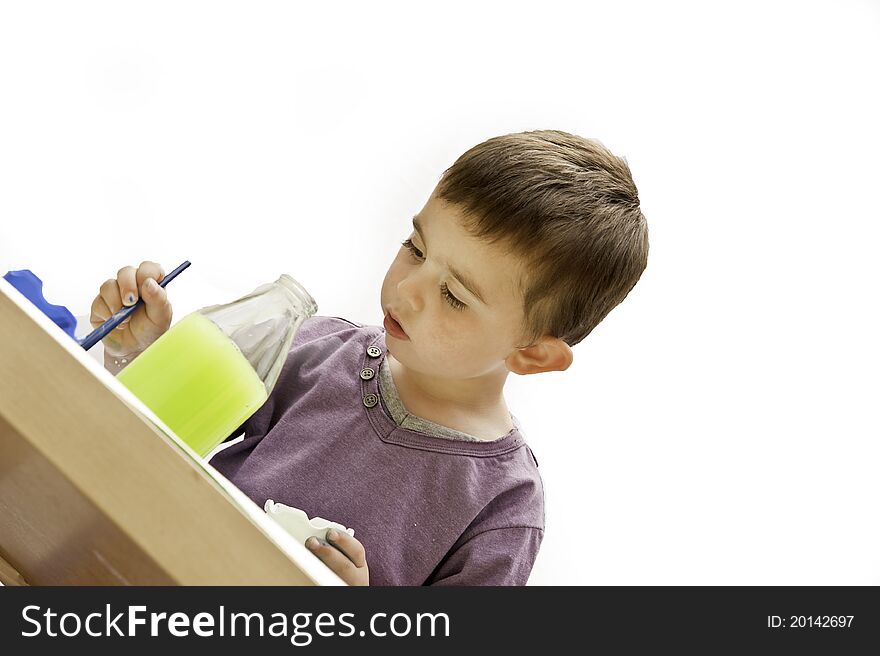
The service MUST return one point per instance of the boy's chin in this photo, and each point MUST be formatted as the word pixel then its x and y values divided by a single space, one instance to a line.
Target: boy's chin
pixel 403 353
pixel 392 348
pixel 414 364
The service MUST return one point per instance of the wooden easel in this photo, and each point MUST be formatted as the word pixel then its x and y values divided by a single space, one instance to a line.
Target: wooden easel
pixel 95 490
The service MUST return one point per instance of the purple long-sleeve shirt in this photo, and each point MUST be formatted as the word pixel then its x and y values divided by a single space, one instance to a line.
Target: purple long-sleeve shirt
pixel 429 509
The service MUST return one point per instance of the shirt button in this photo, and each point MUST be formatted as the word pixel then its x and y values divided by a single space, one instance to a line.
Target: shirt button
pixel 374 351
pixel 367 373
pixel 370 400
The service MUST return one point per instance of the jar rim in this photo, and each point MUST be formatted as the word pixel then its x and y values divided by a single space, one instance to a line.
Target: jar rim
pixel 299 292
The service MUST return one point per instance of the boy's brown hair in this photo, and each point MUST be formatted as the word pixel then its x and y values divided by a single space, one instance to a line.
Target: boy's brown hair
pixel 570 208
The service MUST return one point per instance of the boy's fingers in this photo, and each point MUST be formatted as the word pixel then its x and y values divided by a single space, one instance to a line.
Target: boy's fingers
pixel 332 557
pixel 100 312
pixel 110 295
pixel 128 285
pixel 156 303
pixel 349 546
pixel 149 269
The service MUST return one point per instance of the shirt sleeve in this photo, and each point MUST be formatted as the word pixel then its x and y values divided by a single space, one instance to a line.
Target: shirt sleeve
pixel 500 556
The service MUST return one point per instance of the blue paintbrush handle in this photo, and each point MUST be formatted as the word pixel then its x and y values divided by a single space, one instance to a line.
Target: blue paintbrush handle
pixel 101 331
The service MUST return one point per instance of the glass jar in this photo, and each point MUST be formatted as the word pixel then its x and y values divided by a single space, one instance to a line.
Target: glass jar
pixel 214 368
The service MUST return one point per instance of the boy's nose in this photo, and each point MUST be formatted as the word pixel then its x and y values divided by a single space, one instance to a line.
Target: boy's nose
pixel 409 292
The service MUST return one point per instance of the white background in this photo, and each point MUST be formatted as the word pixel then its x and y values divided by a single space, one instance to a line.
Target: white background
pixel 719 427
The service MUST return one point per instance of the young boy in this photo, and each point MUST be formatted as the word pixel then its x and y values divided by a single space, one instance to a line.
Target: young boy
pixel 403 433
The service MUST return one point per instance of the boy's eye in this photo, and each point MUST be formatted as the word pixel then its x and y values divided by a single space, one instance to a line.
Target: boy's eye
pixel 454 302
pixel 412 249
pixel 444 290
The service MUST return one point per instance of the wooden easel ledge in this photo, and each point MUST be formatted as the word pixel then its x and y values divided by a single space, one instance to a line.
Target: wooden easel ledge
pixel 9 575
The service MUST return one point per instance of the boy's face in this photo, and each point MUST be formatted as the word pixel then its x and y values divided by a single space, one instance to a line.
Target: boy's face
pixel 433 290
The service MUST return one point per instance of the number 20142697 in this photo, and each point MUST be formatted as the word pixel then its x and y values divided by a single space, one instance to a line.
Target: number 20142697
pixel 810 622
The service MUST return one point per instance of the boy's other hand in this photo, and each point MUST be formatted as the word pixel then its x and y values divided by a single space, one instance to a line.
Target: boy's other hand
pixel 145 326
pixel 346 556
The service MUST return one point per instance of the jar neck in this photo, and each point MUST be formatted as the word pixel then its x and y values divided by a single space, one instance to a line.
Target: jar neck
pixel 299 294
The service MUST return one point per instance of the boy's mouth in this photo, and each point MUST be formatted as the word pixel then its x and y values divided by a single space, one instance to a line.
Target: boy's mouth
pixel 394 328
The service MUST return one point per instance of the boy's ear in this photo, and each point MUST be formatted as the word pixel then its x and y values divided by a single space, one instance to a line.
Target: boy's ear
pixel 547 354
